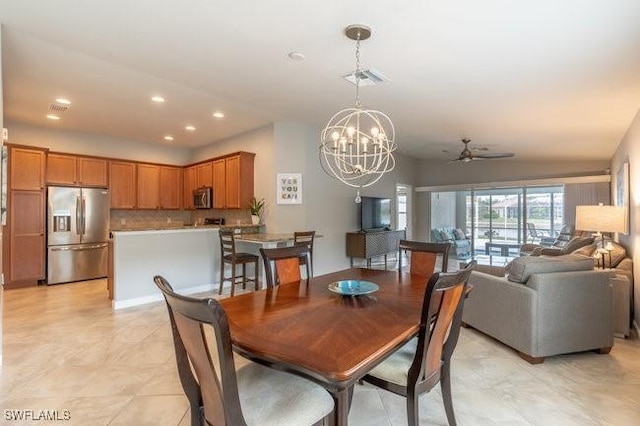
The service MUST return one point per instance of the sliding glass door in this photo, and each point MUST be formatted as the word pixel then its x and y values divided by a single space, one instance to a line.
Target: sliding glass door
pixel 496 219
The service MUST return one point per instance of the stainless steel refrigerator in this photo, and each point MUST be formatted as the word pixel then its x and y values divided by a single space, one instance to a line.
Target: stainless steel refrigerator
pixel 77 233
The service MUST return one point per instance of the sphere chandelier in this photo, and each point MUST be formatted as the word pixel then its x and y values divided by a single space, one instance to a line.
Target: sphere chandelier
pixel 357 144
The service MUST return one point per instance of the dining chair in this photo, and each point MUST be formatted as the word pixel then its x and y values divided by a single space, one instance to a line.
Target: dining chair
pixel 305 237
pixel 424 256
pixel 425 360
pixel 229 255
pixel 252 394
pixel 286 264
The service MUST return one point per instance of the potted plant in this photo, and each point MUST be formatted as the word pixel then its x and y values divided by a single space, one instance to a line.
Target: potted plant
pixel 256 207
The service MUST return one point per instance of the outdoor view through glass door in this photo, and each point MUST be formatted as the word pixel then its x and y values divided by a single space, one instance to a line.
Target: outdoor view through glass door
pixel 499 221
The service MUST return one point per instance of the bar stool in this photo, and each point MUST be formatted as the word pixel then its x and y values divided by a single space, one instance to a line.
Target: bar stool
pixel 306 238
pixel 229 255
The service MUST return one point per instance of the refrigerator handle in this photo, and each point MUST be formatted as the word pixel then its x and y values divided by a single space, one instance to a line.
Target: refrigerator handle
pixel 78 216
pixel 84 213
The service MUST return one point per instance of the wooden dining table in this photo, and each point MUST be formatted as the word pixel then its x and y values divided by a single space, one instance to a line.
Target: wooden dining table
pixel 334 340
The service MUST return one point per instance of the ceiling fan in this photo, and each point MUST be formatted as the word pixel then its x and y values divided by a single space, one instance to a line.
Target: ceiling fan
pixel 466 156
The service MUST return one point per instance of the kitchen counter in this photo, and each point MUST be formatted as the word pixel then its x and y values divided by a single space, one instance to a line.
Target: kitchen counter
pixel 170 227
pixel 188 257
pixel 265 238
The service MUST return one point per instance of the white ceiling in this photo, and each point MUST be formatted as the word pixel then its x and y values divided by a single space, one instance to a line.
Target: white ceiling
pixel 544 79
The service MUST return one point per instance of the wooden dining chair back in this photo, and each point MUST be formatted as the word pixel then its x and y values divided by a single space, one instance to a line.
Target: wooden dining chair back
pixel 189 383
pixel 282 265
pixel 229 396
pixel 305 237
pixel 229 255
pixel 424 256
pixel 423 362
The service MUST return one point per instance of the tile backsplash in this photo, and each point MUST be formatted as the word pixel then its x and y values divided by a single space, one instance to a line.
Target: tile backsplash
pixel 144 219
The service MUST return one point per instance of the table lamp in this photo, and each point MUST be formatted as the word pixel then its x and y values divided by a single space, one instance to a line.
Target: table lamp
pixel 601 219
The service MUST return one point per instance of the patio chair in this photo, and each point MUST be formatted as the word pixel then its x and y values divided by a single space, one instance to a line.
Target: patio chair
pixel 543 239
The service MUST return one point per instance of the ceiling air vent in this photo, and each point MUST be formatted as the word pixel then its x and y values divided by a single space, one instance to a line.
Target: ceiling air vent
pixel 369 77
pixel 58 108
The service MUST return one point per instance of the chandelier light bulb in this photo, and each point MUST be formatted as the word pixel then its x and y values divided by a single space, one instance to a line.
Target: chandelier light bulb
pixel 375 131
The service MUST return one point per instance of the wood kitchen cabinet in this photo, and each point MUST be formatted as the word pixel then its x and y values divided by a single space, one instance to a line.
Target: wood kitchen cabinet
pixel 27 236
pixel 27 169
pixel 122 184
pixel 65 169
pixel 170 187
pixel 233 181
pixel 204 174
pixel 24 239
pixel 190 183
pixel 158 187
pixel 219 184
pixel 148 186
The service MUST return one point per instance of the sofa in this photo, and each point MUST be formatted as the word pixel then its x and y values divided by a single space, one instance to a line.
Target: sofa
pixel 544 306
pixel 461 244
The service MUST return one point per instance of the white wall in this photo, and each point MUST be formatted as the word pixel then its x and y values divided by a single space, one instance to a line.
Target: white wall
pixel 629 150
pixel 92 144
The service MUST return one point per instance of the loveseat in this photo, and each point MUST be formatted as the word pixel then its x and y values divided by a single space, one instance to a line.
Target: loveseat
pixel 545 306
pixel 461 244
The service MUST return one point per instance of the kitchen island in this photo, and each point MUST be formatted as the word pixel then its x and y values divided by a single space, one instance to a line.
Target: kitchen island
pixel 188 257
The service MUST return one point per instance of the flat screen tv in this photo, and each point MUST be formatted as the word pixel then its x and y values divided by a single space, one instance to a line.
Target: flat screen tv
pixel 375 213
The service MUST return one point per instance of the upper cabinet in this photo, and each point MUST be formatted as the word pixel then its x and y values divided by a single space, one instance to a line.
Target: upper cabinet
pixel 170 187
pixel 148 186
pixel 64 169
pixel 27 169
pixel 159 187
pixel 204 174
pixel 190 183
pixel 219 184
pixel 233 181
pixel 122 184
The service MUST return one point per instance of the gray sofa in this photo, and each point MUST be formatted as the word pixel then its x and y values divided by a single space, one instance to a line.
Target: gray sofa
pixel 544 306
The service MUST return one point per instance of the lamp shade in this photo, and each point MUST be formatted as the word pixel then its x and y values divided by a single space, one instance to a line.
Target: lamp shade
pixel 601 218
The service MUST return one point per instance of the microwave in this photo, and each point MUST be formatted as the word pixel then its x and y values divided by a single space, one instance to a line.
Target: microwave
pixel 202 198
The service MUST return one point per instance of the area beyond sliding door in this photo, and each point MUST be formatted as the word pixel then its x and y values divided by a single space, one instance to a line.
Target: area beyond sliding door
pixel 495 217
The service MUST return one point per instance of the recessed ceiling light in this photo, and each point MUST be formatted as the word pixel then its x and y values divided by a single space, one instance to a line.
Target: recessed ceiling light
pixel 190 128
pixel 296 56
pixel 218 114
pixel 158 99
pixel 53 117
pixel 63 101
pixel 168 138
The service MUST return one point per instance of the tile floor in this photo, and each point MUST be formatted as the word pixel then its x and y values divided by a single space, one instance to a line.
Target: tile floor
pixel 64 348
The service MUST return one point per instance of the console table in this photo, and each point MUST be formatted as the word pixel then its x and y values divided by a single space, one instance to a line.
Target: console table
pixel 503 246
pixel 366 245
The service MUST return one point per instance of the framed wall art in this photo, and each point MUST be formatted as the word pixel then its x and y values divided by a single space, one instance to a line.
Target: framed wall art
pixel 289 188
pixel 622 185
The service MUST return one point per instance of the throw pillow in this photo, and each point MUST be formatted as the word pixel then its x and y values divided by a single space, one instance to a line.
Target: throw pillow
pixel 523 267
pixel 586 250
pixel 459 234
pixel 576 243
pixel 617 254
pixel 446 234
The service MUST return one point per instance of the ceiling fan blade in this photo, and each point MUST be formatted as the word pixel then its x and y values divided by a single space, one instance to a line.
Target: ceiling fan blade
pixel 490 155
